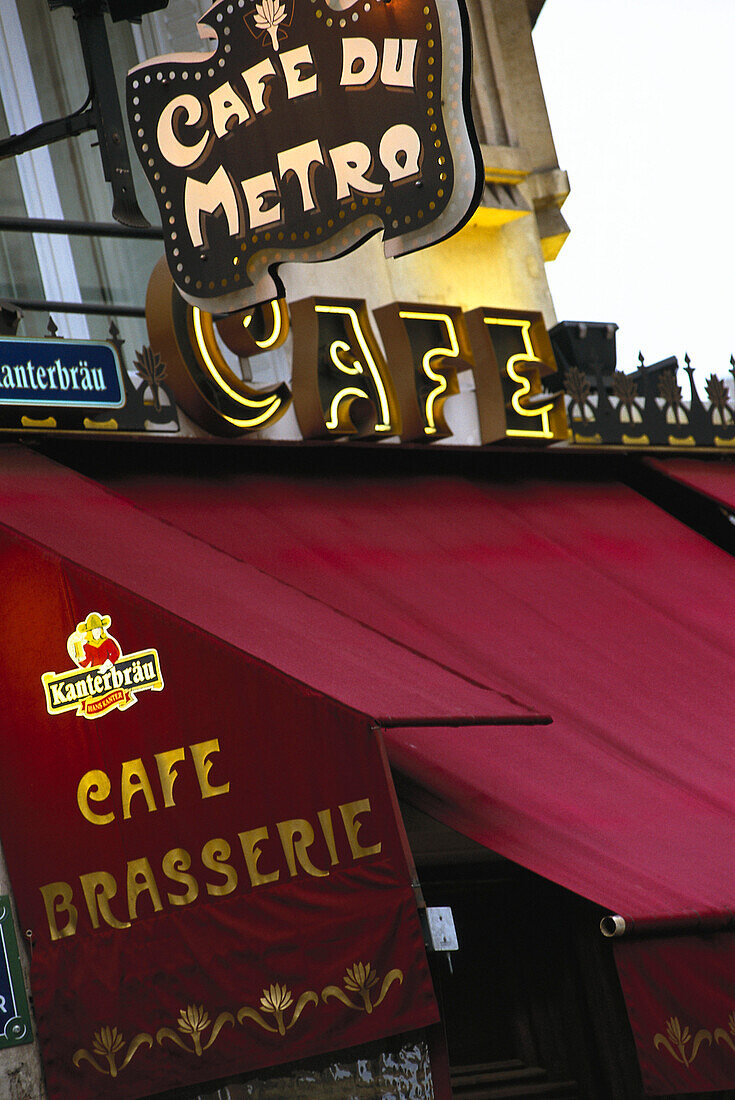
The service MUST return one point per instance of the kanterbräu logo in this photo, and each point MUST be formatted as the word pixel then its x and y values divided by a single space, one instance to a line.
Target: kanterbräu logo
pixel 311 126
pixel 104 678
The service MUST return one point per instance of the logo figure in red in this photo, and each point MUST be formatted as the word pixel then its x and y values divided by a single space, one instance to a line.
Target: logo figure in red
pixel 104 678
pixel 91 646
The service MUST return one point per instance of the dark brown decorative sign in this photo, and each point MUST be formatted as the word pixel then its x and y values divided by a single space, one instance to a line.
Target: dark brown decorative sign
pixel 313 125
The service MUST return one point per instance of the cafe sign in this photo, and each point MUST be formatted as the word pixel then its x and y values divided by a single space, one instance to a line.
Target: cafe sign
pixel 344 381
pixel 196 906
pixel 312 125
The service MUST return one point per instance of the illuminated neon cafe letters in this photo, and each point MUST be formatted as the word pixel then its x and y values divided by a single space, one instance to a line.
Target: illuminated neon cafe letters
pixel 343 384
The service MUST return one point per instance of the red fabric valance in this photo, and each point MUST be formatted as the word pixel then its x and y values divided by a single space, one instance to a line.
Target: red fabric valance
pixel 211 872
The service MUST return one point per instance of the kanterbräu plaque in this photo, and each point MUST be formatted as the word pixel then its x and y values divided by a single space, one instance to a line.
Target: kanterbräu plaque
pixel 311 126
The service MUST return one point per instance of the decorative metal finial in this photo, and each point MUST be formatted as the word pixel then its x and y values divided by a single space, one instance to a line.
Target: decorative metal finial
pixel 152 370
pixel 641 360
pixel 117 342
pixel 51 328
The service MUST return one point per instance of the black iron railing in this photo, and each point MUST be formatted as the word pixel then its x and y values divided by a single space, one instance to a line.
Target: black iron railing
pixel 78 229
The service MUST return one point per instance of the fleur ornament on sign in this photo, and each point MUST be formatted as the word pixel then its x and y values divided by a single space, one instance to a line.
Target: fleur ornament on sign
pixel 110 1054
pixel 677 1040
pixel 269 15
pixel 684 1048
pixel 360 979
pixel 194 1021
pixel 107 1044
pixel 275 1001
pixel 722 1036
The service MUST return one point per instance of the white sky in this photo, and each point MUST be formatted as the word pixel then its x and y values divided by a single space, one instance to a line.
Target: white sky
pixel 641 98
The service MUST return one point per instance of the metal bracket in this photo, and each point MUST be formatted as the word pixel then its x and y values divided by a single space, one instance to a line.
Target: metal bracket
pixel 440 926
pixel 439 931
pixel 101 112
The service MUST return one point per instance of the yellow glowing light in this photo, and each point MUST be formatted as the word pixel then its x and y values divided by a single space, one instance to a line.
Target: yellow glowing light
pixel 349 391
pixel 338 346
pixel 524 385
pixel 433 353
pixel 358 367
pixel 277 325
pixel 264 408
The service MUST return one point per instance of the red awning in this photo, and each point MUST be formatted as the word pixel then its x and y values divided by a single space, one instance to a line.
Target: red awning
pixel 713 479
pixel 268 617
pixel 584 602
pixel 423 602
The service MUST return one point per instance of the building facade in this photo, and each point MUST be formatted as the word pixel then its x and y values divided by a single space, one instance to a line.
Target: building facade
pixel 381 739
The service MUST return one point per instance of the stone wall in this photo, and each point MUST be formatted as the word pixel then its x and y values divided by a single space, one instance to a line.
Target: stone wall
pixel 21 1075
pixel 398 1071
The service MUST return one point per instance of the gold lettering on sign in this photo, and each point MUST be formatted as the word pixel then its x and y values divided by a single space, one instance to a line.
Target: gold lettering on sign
pixel 200 754
pixel 99 888
pixel 250 842
pixel 325 820
pixel 140 880
pixel 344 360
pixel 134 780
pixel 254 331
pixel 296 836
pixel 57 900
pixel 175 865
pixel 350 812
pixel 214 857
pixel 427 349
pixel 442 380
pixel 291 847
pixel 95 785
pixel 167 772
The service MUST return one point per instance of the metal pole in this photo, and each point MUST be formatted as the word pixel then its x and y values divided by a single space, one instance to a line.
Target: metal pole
pixel 79 228
pixel 100 309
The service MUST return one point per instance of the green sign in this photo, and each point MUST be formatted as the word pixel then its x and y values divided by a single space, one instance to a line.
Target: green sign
pixel 15 1018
